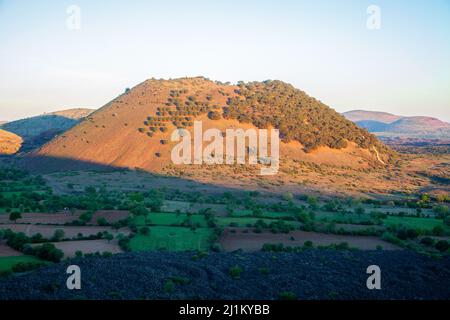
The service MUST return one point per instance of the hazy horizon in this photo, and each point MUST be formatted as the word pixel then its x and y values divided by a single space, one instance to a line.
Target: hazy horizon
pixel 324 49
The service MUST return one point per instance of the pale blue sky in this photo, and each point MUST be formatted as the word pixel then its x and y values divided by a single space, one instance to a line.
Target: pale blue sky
pixel 321 47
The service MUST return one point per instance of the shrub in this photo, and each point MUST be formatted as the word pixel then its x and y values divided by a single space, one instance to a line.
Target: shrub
pixel 58 235
pixel 427 241
pixel 14 216
pixel 447 220
pixel 235 272
pixel 287 295
pixel 442 245
pixel 308 244
pixel 144 231
pixel 288 196
pixel 101 221
pixel 169 286
pixel 27 266
pixel 214 115
pixel 438 231
pixel 48 252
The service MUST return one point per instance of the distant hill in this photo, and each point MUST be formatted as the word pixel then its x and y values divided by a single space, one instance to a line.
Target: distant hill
pixel 38 130
pixel 134 129
pixel 389 125
pixel 10 143
pixel 378 116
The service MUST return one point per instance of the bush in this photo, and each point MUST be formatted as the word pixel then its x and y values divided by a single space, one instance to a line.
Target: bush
pixel 442 245
pixel 447 220
pixel 389 237
pixel 169 286
pixel 438 231
pixel 27 266
pixel 58 235
pixel 101 221
pixel 214 115
pixel 14 216
pixel 308 244
pixel 287 295
pixel 404 233
pixel 235 272
pixel 427 241
pixel 288 196
pixel 48 252
pixel 144 231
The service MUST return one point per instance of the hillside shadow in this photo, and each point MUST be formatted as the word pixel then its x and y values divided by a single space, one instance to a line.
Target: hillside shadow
pixel 37 164
pixel 37 131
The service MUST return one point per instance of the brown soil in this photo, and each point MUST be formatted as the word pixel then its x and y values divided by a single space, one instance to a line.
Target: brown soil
pixel 254 241
pixel 111 216
pixel 87 246
pixel 6 251
pixel 69 231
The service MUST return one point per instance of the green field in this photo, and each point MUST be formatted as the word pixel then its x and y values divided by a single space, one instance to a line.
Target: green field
pixel 172 239
pixel 6 263
pixel 265 214
pixel 247 221
pixel 425 224
pixel 169 219
pixel 351 218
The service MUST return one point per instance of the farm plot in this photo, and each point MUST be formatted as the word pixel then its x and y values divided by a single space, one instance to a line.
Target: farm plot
pixel 65 217
pixel 172 239
pixel 170 219
pixel 249 221
pixel 87 246
pixel 47 231
pixel 44 218
pixel 7 263
pixel 249 241
pixel 188 207
pixel 111 216
pixel 264 214
pixel 6 251
pixel 420 224
pixel 347 218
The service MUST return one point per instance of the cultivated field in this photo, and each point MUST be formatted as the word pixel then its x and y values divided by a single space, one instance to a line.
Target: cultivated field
pixel 234 239
pixel 87 246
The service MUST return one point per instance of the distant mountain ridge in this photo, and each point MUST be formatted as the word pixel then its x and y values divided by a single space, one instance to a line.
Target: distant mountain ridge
pixel 38 130
pixel 363 115
pixel 389 125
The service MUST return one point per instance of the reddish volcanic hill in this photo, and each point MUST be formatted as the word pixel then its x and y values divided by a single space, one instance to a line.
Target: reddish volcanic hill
pixel 10 143
pixel 133 130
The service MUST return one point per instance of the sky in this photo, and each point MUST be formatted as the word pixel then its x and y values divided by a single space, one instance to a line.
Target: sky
pixel 49 62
